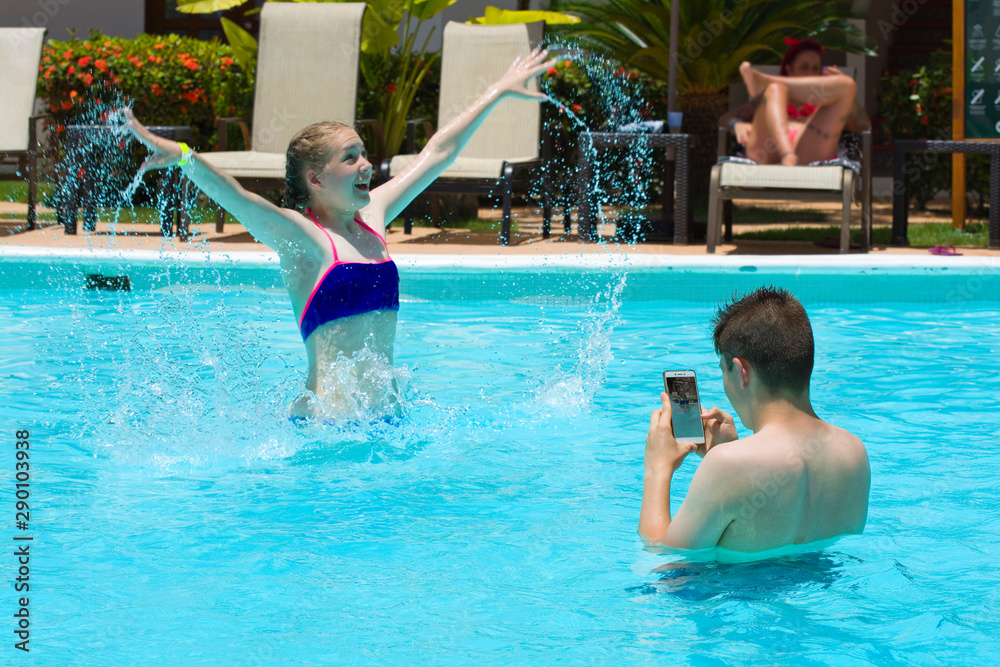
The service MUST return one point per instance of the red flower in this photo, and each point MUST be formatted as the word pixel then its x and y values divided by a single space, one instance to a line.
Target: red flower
pixel 73 94
pixel 89 79
pixel 227 61
pixel 391 88
pixel 107 43
pixel 552 71
pixel 68 55
pixel 67 104
pixel 190 97
pixel 567 63
pixel 159 45
pixel 84 61
pixel 575 108
pixel 925 120
pixel 101 65
pixel 192 65
pixel 70 70
pixel 61 128
pixel 157 89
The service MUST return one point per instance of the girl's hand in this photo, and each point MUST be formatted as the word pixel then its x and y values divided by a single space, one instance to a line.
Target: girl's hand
pixel 742 132
pixel 163 152
pixel 514 81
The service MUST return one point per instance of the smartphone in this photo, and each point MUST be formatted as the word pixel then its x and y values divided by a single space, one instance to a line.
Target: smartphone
pixel 685 407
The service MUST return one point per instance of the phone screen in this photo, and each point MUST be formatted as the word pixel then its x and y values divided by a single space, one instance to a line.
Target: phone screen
pixel 682 389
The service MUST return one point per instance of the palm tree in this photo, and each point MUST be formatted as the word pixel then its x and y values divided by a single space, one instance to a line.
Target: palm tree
pixel 715 36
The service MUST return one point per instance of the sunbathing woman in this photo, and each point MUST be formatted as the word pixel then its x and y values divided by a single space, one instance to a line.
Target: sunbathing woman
pixel 330 240
pixel 796 117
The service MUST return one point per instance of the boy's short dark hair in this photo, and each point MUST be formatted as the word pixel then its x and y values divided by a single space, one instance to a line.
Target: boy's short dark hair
pixel 770 329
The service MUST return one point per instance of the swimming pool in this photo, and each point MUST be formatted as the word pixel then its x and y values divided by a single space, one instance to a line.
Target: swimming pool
pixel 178 517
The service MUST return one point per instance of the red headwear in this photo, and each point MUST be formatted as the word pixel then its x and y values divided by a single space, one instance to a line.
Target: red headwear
pixel 795 47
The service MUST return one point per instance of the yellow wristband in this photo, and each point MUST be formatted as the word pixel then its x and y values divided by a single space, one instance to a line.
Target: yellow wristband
pixel 185 154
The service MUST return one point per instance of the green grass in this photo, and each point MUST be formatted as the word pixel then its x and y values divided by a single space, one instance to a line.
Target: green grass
pixel 136 215
pixel 919 235
pixel 473 224
pixel 749 215
pixel 17 191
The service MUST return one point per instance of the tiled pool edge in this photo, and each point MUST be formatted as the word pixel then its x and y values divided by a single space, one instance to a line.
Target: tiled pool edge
pixel 611 260
pixel 557 280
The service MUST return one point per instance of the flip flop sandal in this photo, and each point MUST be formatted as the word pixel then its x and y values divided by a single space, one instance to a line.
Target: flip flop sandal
pixel 943 249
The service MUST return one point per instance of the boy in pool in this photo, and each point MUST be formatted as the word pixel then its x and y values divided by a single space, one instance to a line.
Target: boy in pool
pixel 330 236
pixel 796 480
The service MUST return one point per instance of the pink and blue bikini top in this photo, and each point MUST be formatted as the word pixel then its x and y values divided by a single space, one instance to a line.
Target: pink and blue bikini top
pixel 350 288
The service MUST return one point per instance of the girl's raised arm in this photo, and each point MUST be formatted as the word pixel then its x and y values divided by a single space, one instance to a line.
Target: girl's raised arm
pixel 276 227
pixel 389 200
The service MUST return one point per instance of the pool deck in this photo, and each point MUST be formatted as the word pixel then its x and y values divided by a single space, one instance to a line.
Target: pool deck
pixel 432 243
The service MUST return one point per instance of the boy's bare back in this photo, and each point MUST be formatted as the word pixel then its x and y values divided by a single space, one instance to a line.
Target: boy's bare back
pixel 793 484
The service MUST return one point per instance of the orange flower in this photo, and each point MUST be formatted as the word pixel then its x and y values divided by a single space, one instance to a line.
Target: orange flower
pixel 60 128
pixel 89 79
pixel 567 63
pixel 101 65
pixel 107 43
pixel 227 61
pixel 67 104
pixel 192 65
pixel 159 45
pixel 575 108
pixel 73 94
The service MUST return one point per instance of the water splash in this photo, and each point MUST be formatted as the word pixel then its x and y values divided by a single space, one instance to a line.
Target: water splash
pixel 576 387
pixel 620 176
pixel 364 388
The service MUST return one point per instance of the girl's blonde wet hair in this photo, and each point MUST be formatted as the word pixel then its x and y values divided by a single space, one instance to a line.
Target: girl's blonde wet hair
pixel 310 148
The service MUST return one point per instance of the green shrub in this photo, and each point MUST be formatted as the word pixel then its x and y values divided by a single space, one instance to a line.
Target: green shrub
pixel 917 105
pixel 169 80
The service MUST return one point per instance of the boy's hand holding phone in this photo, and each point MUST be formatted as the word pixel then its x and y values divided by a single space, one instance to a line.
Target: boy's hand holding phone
pixel 664 454
pixel 719 428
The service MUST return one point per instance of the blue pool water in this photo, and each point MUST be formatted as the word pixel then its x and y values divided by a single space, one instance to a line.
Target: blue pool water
pixel 179 518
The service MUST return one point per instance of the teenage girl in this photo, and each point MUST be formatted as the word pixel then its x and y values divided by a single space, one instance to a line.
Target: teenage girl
pixel 796 117
pixel 330 236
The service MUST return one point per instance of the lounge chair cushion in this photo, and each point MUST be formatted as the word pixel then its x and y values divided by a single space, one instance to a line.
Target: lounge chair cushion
pixel 247 164
pixel 20 52
pixel 464 167
pixel 735 175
